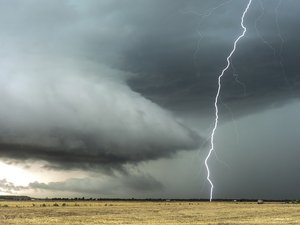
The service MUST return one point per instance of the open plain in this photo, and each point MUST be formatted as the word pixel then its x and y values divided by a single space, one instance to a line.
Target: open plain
pixel 120 212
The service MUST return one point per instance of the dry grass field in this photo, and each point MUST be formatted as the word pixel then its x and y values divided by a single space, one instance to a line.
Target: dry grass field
pixel 91 213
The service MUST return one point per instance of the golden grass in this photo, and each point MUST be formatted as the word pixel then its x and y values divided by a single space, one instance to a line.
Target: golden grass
pixel 92 213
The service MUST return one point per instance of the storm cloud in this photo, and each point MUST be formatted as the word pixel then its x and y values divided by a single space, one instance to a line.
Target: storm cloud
pixel 70 117
pixel 100 85
pixel 181 75
pixel 119 184
pixel 106 186
pixel 69 110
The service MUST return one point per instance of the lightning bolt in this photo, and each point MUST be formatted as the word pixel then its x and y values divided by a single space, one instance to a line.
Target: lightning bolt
pixel 212 136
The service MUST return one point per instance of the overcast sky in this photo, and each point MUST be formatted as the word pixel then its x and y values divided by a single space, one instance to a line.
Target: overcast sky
pixel 115 98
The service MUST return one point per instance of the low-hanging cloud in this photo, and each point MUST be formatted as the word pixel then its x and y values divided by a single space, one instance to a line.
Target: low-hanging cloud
pixel 108 186
pixel 63 103
pixel 76 78
pixel 116 185
pixel 82 116
pixel 9 187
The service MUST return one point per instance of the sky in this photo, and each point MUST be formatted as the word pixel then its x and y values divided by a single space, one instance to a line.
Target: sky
pixel 116 98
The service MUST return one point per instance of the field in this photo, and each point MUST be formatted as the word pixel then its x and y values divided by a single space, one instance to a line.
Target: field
pixel 113 212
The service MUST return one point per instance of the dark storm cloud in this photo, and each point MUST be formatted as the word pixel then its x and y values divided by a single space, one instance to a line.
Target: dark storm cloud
pixel 178 67
pixel 89 157
pixel 62 102
pixel 71 118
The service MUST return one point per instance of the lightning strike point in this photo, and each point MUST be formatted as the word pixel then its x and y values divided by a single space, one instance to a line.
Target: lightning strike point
pixel 212 136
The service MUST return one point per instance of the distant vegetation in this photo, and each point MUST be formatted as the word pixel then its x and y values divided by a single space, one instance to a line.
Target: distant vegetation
pixel 78 199
pixel 15 197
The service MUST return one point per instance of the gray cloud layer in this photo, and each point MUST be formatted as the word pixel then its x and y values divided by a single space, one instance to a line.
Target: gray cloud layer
pixel 9 187
pixel 104 186
pixel 61 105
pixel 72 118
pixel 86 84
pixel 178 66
pixel 113 186
pixel 175 48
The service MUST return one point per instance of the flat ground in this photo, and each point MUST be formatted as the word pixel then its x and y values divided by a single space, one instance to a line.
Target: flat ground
pixel 111 212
